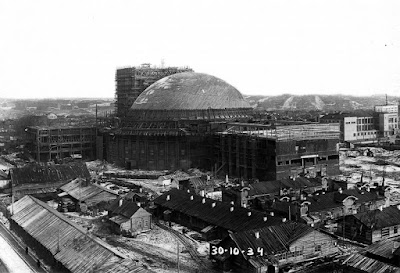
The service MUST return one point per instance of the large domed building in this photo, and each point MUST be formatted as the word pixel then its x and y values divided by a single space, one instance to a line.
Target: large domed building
pixel 169 126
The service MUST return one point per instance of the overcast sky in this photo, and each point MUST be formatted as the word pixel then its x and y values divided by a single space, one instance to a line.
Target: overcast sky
pixel 70 48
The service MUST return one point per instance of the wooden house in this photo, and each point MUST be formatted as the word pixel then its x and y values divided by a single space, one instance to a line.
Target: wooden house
pixel 197 184
pixel 371 226
pixel 128 218
pixel 272 248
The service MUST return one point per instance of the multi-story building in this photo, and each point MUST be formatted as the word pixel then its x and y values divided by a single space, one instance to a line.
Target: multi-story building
pixel 388 119
pixel 355 127
pixel 132 81
pixel 49 143
pixel 266 152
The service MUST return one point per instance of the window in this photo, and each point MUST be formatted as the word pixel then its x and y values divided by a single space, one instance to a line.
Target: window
pixel 395 230
pixel 384 232
pixel 317 248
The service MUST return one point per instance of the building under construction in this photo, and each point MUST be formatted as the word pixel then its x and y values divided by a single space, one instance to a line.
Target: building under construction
pixel 50 143
pixel 132 81
pixel 168 124
pixel 257 151
pixel 189 120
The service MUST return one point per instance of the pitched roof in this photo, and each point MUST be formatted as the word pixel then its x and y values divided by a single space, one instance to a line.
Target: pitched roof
pixel 123 266
pixel 389 216
pixel 68 242
pixel 218 215
pixel 77 190
pixel 49 174
pixel 369 265
pixel 268 187
pixel 127 209
pixel 272 239
pixel 331 200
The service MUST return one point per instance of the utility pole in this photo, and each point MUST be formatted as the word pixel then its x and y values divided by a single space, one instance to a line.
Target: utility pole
pixel 177 253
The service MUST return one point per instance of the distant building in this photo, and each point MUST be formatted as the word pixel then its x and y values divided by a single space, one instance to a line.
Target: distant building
pixel 354 127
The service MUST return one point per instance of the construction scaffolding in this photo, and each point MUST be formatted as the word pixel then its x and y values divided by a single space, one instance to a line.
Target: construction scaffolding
pixel 132 81
pixel 49 143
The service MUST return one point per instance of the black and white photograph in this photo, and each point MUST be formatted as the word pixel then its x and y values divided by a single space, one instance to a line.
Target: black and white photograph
pixel 207 136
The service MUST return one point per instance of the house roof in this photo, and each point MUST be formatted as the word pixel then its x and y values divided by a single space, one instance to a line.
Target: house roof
pixel 269 187
pixel 68 242
pixel 331 200
pixel 77 190
pixel 389 216
pixel 272 239
pixel 49 174
pixel 127 209
pixel 219 214
pixel 384 248
pixel 369 265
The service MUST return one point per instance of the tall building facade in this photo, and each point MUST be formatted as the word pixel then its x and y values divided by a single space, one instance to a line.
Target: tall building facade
pixel 132 81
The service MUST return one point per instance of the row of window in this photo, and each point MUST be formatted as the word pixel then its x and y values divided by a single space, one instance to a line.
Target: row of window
pixel 364 133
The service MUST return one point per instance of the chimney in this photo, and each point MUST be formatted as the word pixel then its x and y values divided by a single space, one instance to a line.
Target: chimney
pixel 244 205
pixel 226 179
pixel 398 207
pixel 168 197
pixel 213 204
pixel 191 197
pixel 138 204
pixel 232 203
pixel 265 218
pixel 188 191
pixel 120 202
pixel 140 189
pixel 271 213
pixel 203 201
pixel 231 209
pixel 283 220
pixel 257 234
pixel 381 208
pixel 249 213
pixel 340 190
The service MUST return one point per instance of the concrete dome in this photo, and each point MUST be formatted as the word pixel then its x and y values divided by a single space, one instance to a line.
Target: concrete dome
pixel 190 91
